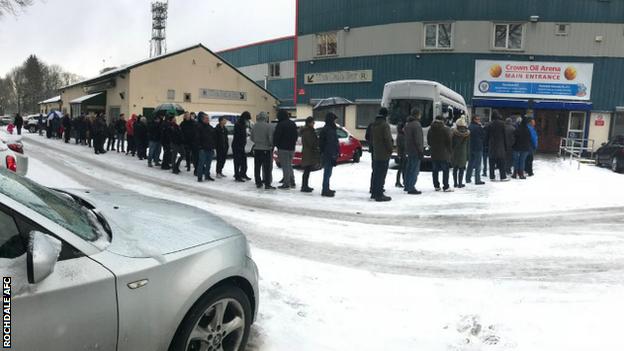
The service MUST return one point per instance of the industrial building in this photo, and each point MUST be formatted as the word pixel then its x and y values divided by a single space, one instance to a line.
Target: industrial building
pixel 194 77
pixel 560 61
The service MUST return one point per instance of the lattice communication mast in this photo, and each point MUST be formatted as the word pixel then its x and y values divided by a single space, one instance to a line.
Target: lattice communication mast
pixel 159 28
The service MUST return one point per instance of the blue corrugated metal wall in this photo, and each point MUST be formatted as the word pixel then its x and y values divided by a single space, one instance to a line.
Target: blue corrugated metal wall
pixel 275 51
pixel 283 89
pixel 453 70
pixel 323 15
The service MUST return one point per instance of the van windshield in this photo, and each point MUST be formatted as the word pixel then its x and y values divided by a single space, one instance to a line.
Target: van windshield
pixel 400 109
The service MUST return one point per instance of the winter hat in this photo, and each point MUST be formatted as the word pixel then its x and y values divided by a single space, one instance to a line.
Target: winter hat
pixel 461 122
pixel 383 112
pixel 262 117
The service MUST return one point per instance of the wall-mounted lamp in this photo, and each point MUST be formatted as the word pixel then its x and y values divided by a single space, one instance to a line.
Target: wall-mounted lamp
pixel 219 64
pixel 347 29
pixel 122 95
pixel 534 19
pixel 599 38
pixel 417 56
pixel 311 62
pixel 531 58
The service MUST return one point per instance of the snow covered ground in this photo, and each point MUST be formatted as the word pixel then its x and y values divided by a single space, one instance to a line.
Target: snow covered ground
pixel 524 265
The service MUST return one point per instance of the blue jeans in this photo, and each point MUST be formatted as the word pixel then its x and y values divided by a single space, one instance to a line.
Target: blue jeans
pixel 154 151
pixel 203 163
pixel 519 161
pixel 328 168
pixel 474 165
pixel 411 172
pixel 440 166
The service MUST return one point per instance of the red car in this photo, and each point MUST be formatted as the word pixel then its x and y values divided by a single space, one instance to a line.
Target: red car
pixel 350 147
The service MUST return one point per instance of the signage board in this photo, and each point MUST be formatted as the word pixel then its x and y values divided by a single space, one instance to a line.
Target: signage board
pixel 530 79
pixel 222 94
pixel 362 76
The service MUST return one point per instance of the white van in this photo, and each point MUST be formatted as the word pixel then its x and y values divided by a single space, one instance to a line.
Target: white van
pixel 430 98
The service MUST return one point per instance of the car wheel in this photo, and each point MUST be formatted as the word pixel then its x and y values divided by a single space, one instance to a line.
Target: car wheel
pixel 357 155
pixel 33 130
pixel 615 165
pixel 219 320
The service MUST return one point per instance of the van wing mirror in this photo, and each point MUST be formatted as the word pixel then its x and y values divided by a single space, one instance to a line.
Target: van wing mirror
pixel 43 252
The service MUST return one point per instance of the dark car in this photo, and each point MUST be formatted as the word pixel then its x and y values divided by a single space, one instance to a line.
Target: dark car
pixel 612 154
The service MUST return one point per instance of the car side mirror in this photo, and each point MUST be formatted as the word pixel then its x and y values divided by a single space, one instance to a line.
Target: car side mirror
pixel 43 252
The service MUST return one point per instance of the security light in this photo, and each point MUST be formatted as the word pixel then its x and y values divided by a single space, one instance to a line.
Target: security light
pixel 534 19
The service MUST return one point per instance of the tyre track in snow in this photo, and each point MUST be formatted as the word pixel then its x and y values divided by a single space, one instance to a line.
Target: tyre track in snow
pixel 381 259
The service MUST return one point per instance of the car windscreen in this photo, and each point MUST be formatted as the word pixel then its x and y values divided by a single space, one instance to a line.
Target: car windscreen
pixel 55 206
pixel 400 109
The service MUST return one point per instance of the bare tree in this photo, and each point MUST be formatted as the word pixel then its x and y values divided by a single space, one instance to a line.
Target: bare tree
pixel 13 6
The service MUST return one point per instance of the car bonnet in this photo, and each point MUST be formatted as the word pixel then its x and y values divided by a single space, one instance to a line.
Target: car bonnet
pixel 147 227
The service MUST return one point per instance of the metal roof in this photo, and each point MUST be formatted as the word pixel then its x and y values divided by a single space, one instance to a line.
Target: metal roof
pixel 84 98
pixel 51 100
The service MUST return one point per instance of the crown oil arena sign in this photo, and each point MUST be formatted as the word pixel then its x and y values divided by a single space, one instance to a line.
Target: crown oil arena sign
pixel 529 79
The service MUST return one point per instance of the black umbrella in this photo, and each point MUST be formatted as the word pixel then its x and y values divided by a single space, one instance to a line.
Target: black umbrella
pixel 333 101
pixel 169 108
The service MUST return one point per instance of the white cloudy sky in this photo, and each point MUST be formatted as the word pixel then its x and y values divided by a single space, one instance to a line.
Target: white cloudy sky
pixel 83 36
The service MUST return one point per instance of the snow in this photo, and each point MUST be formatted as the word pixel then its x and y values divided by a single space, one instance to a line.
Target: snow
pixel 523 265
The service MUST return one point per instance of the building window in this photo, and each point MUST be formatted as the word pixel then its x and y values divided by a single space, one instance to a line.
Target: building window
pixel 326 44
pixel 274 70
pixel 508 36
pixel 170 94
pixel 562 29
pixel 366 114
pixel 187 97
pixel 439 36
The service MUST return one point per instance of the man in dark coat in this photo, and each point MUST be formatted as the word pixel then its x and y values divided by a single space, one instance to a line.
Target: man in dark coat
pixel 439 138
pixel 206 144
pixel 189 131
pixel 239 141
pixel 510 130
pixel 497 146
pixel 521 148
pixel 67 127
pixel 79 127
pixel 140 137
pixel 382 151
pixel 110 133
pixel 40 123
pixel 330 150
pixel 99 134
pixel 177 145
pixel 120 133
pixel 19 123
pixel 262 137
pixel 310 153
pixel 153 136
pixel 477 139
pixel 223 145
pixel 165 142
pixel 414 148
pixel 285 138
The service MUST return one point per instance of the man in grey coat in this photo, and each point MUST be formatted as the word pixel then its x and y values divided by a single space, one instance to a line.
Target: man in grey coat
pixel 414 148
pixel 262 137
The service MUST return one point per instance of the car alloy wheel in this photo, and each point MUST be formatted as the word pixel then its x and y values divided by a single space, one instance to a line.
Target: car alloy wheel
pixel 220 328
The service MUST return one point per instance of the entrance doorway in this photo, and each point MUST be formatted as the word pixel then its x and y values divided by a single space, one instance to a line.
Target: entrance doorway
pixel 551 126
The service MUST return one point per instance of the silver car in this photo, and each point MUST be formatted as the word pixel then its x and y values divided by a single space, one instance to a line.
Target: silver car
pixel 120 271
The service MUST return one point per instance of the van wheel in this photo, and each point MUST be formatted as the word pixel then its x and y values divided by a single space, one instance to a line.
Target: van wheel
pixel 357 155
pixel 219 320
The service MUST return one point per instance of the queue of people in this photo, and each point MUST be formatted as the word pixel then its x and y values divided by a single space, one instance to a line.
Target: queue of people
pixel 466 149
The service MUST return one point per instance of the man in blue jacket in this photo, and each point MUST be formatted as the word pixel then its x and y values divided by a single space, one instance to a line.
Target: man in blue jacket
pixel 477 140
pixel 534 142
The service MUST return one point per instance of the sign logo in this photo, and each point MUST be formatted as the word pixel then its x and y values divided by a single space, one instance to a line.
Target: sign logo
pixel 570 73
pixel 496 71
pixel 484 86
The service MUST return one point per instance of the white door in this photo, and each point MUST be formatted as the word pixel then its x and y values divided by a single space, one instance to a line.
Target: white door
pixel 74 308
pixel 576 126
